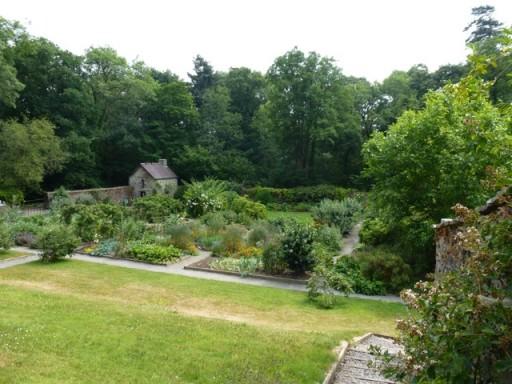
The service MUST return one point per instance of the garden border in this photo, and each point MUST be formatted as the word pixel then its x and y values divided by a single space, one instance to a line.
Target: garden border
pixel 128 259
pixel 250 275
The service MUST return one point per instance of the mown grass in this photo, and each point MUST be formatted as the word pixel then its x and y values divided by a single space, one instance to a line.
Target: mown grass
pixel 75 322
pixel 302 217
pixel 9 254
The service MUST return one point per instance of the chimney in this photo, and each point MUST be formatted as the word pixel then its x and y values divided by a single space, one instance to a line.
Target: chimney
pixel 163 162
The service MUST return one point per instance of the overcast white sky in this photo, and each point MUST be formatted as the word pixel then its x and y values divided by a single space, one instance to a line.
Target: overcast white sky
pixel 369 38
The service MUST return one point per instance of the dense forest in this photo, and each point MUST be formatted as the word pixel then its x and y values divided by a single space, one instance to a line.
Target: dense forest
pixel 86 121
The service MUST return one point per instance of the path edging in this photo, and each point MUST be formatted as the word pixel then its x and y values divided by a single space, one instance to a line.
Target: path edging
pixel 342 348
pixel 250 275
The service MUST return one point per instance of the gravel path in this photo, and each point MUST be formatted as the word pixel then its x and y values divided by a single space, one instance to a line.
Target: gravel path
pixel 178 269
pixel 351 241
pixel 19 260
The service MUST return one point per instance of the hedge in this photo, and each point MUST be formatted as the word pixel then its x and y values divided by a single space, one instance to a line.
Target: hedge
pixel 312 194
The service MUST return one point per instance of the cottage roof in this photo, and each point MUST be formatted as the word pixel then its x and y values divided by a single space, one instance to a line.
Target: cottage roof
pixel 159 171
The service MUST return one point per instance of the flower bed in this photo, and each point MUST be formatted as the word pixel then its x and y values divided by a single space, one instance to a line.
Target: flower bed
pixel 135 251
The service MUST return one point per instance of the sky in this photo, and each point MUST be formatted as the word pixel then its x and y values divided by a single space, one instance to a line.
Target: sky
pixel 367 38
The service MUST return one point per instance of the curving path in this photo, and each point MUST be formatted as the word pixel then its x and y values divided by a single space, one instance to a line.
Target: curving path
pixel 178 269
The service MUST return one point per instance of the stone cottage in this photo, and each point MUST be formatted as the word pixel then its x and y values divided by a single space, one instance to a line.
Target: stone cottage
pixel 149 178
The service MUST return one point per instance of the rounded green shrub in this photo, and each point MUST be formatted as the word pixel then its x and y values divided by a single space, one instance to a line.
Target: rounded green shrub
pixel 330 237
pixel 297 247
pixel 342 214
pixel 156 208
pixel 57 241
pixel 273 258
pixel 374 231
pixel 384 266
pixel 6 236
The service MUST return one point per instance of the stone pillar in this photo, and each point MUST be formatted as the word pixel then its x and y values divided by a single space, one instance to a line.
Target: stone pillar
pixel 449 254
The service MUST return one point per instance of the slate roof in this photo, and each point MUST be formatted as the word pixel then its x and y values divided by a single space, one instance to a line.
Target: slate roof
pixel 159 171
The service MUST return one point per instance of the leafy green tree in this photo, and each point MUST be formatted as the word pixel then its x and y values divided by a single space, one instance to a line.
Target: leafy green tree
pixel 219 126
pixel 449 73
pixel 10 86
pixel 28 151
pixel 432 158
pixel 310 106
pixel 247 94
pixel 203 78
pixel 484 26
pixel 399 96
pixel 121 94
pixel 171 120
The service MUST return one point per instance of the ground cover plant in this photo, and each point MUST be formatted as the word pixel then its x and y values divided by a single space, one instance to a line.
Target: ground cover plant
pixel 88 322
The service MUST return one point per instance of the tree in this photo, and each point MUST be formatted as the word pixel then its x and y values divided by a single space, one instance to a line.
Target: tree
pixel 219 127
pixel 484 26
pixel 399 96
pixel 121 95
pixel 309 104
pixel 28 152
pixel 171 120
pixel 203 78
pixel 247 94
pixel 435 157
pixel 10 86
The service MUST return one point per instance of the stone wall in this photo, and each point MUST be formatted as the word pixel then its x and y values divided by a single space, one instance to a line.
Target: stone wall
pixel 115 194
pixel 449 254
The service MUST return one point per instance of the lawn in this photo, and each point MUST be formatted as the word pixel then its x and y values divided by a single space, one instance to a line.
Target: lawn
pixel 76 322
pixel 10 254
pixel 302 217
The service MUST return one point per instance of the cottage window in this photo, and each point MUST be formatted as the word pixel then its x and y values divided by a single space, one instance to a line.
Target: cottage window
pixel 142 183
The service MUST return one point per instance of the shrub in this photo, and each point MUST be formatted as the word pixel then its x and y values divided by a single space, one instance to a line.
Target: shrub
pixel 93 221
pixel 153 253
pixel 11 196
pixel 243 206
pixel 27 230
pixel 458 326
pixel 182 236
pixel 231 217
pixel 57 241
pixel 374 231
pixel 6 236
pixel 130 229
pixel 297 247
pixel 311 194
pixel 341 214
pixel 210 242
pixel 60 199
pixel 330 237
pixel 272 259
pixel 349 268
pixel 324 284
pixel 214 221
pixel 260 234
pixel 232 240
pixel 205 196
pixel 156 208
pixel 378 264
